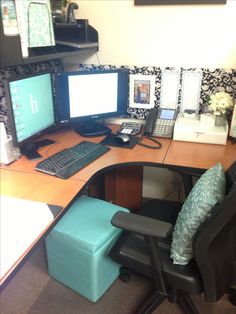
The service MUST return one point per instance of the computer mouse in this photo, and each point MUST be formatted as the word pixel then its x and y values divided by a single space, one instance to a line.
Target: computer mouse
pixel 123 138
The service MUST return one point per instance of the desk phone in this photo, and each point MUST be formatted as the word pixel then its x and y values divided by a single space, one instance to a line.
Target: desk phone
pixel 130 128
pixel 160 122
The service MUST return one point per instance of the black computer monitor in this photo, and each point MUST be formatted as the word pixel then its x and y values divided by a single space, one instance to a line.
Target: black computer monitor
pixel 85 97
pixel 30 110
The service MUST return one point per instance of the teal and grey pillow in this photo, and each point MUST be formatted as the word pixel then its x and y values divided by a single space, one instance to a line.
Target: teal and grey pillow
pixel 206 193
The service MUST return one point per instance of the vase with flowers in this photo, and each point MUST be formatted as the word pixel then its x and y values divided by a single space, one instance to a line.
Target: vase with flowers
pixel 219 103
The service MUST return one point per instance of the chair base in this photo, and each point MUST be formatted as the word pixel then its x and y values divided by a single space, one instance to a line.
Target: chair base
pixel 156 298
pixel 186 303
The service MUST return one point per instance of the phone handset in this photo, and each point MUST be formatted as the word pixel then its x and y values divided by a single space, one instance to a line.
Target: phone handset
pixel 149 127
pixel 151 121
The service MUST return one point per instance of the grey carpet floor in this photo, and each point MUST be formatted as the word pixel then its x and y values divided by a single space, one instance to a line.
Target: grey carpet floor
pixel 32 291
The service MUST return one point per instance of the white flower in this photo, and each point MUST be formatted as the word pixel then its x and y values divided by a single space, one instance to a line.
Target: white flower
pixel 219 102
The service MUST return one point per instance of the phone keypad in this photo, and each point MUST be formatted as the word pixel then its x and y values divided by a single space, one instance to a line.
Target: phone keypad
pixel 127 131
pixel 164 128
pixel 130 128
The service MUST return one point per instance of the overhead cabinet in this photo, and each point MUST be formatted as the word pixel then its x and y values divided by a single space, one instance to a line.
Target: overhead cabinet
pixel 70 39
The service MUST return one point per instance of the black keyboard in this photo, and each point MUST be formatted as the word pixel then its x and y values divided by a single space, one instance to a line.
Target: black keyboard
pixel 69 161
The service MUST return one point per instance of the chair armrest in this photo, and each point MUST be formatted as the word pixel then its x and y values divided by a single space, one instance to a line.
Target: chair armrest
pixel 141 225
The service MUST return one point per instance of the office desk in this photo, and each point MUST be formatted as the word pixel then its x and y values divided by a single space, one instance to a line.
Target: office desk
pixel 118 159
pixel 195 158
pixel 123 183
pixel 114 158
pixel 39 187
pixel 200 156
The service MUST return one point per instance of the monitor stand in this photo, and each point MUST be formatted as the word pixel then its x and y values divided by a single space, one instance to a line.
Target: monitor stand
pixel 30 150
pixel 90 129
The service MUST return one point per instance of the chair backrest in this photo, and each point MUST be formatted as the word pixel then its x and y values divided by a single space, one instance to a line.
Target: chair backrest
pixel 214 244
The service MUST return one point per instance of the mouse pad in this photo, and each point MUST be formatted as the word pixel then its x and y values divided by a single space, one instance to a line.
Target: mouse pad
pixel 112 140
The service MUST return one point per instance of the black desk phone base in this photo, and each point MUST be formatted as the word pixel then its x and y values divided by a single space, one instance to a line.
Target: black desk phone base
pixel 130 128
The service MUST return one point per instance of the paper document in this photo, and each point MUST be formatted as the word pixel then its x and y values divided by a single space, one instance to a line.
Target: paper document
pixel 21 222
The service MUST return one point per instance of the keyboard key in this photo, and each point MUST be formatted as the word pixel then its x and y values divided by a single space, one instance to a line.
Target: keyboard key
pixel 69 161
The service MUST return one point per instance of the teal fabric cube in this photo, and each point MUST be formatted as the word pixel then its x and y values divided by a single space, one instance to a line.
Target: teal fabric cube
pixel 77 247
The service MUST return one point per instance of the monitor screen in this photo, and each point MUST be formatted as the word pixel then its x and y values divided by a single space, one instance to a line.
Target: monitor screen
pixel 85 96
pixel 31 106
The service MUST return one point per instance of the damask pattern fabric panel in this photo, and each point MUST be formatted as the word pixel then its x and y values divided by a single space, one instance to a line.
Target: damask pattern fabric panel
pixel 213 80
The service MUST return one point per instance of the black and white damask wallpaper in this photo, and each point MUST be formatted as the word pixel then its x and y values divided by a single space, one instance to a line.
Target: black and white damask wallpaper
pixel 213 80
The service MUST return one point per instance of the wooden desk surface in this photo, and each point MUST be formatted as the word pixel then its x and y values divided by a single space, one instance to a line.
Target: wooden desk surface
pixel 173 153
pixel 37 187
pixel 197 155
pixel 116 156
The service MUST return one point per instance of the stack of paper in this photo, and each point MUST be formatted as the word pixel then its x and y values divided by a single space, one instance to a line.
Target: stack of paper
pixel 22 222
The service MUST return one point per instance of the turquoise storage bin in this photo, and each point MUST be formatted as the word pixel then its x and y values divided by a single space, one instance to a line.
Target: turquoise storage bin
pixel 77 247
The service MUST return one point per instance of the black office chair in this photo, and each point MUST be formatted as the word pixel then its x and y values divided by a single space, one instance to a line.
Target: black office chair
pixel 144 247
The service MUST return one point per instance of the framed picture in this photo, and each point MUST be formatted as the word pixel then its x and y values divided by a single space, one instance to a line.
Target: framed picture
pixel 170 85
pixel 191 89
pixel 151 2
pixel 142 91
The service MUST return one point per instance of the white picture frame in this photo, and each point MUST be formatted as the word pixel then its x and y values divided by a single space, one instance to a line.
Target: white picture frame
pixel 191 89
pixel 141 91
pixel 170 85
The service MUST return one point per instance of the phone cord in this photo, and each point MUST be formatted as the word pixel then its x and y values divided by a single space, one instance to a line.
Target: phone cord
pixel 151 146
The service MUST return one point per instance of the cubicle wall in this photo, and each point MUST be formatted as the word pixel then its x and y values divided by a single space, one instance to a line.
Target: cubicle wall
pixel 171 87
pixel 182 88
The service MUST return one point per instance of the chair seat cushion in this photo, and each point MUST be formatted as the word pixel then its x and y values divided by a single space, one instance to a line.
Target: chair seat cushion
pixel 130 251
pixel 206 193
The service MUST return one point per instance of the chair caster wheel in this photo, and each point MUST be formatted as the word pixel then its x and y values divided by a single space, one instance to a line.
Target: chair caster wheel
pixel 124 278
pixel 124 274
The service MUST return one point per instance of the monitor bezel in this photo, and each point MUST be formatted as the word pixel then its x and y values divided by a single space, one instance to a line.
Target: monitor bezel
pixel 63 101
pixel 10 113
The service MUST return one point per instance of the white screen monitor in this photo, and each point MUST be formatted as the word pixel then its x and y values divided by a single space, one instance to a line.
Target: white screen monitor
pixel 84 97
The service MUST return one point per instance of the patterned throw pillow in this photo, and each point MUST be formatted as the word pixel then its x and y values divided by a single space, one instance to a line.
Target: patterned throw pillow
pixel 206 193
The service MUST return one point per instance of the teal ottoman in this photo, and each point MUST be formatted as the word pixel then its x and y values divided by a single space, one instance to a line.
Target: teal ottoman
pixel 77 247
